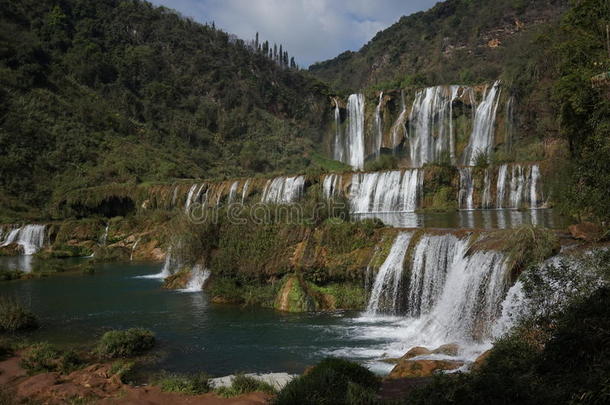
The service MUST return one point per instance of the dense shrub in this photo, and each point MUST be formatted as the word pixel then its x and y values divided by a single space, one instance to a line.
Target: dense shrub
pixel 125 343
pixel 332 382
pixel 14 317
pixel 243 384
pixel 43 357
pixel 185 384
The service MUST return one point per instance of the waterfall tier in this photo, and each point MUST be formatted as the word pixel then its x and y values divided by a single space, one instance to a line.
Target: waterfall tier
pixel 448 293
pixel 31 238
pixel 393 191
pixel 283 190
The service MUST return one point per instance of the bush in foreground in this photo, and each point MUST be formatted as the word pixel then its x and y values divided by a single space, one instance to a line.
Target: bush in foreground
pixel 14 317
pixel 44 358
pixel 125 343
pixel 186 384
pixel 332 382
pixel 243 384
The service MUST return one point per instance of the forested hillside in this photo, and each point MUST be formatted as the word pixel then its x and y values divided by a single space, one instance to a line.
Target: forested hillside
pixel 457 41
pixel 119 91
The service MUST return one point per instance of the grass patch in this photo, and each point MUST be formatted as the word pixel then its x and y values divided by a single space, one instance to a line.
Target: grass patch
pixel 122 369
pixel 243 384
pixel 125 343
pixel 14 317
pixel 329 164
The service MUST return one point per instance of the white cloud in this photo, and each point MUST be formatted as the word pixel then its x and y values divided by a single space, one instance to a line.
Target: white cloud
pixel 311 30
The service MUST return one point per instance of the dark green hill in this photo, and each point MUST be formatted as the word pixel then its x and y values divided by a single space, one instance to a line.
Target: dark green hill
pixel 457 41
pixel 95 92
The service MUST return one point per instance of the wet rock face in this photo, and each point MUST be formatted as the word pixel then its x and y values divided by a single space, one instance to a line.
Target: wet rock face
pixel 422 368
pixel 12 249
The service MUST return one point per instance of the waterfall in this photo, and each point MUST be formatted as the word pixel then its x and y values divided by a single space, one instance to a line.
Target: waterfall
pixel 388 281
pixel 331 186
pixel 355 131
pixel 339 145
pixel 170 265
pixel 500 186
pixel 431 257
pixel 482 136
pixel 133 249
pixel 283 190
pixel 244 191
pixel 510 122
pixel 534 179
pixel 431 126
pixel 189 198
pixel 486 201
pixel 378 126
pixel 465 196
pixel 104 238
pixel 452 295
pixel 31 238
pixel 197 279
pixel 400 125
pixel 232 192
pixel 390 191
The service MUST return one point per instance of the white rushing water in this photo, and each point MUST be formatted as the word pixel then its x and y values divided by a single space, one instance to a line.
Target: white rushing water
pixel 390 191
pixel 199 275
pixel 429 292
pixel 244 191
pixel 482 136
pixel 384 295
pixel 31 238
pixel 523 186
pixel 399 129
pixel 466 193
pixel 349 147
pixel 431 125
pixel 170 265
pixel 331 186
pixel 283 190
pixel 232 192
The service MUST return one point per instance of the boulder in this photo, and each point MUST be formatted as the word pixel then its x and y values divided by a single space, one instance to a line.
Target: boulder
pixel 587 231
pixel 450 349
pixel 414 352
pixel 422 368
pixel 480 361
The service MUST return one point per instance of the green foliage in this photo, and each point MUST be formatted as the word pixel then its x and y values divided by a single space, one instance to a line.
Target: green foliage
pixel 332 381
pixel 185 384
pixel 93 95
pixel 243 384
pixel 125 343
pixel 123 369
pixel 383 162
pixel 329 165
pixel 345 295
pixel 43 357
pixel 14 317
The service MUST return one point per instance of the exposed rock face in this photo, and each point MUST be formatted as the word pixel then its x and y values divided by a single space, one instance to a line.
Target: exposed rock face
pixel 450 349
pixel 480 361
pixel 414 352
pixel 422 368
pixel 295 297
pixel 11 250
pixel 587 231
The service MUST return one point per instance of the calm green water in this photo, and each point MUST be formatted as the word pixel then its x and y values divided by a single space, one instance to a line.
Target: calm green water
pixel 193 334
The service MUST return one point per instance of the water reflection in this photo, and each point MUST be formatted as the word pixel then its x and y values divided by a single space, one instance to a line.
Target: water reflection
pixel 479 219
pixel 23 263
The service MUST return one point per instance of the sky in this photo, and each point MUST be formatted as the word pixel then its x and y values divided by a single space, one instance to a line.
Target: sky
pixel 310 30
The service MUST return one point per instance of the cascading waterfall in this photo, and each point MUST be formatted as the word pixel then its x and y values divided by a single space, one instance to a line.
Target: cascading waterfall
pixel 466 193
pixel 331 186
pixel 104 238
pixel 384 296
pixel 244 191
pixel 452 295
pixel 378 126
pixel 355 131
pixel 133 249
pixel 189 198
pixel 500 186
pixel 482 136
pixel 31 238
pixel 486 200
pixel 232 192
pixel 199 275
pixel 393 191
pixel 170 265
pixel 283 190
pixel 523 186
pixel 431 126
pixel 339 145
